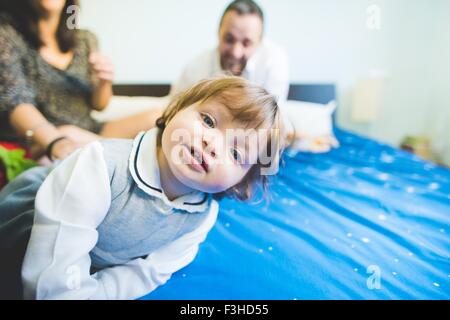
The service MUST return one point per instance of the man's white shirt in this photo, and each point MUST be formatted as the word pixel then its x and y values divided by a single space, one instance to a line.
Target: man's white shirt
pixel 267 67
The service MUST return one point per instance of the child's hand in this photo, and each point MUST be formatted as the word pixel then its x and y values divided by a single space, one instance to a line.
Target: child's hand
pixel 102 66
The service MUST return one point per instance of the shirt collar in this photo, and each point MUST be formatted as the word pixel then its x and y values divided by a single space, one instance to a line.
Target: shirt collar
pixel 144 168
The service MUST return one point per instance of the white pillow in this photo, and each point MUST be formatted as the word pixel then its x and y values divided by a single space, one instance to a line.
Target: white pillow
pixel 312 124
pixel 124 106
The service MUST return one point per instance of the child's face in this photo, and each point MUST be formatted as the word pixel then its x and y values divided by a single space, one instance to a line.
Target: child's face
pixel 205 151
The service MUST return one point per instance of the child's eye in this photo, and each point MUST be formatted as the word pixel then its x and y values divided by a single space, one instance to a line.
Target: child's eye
pixel 208 120
pixel 236 155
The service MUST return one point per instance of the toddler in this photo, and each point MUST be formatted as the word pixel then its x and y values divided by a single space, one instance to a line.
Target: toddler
pixel 116 218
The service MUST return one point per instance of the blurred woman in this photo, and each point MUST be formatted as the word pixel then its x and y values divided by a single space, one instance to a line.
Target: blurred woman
pixel 51 78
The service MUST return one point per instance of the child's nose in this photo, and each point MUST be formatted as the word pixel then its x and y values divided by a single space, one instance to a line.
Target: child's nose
pixel 208 146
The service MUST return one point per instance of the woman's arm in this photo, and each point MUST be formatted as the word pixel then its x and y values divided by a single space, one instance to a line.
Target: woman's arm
pixel 101 95
pixel 17 97
pixel 27 120
pixel 26 117
pixel 103 70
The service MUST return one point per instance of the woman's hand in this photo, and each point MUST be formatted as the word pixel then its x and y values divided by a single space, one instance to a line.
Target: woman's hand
pixel 102 66
pixel 75 138
pixel 63 148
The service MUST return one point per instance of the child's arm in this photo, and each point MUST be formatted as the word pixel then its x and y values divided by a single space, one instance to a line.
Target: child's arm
pixel 71 203
pixel 141 276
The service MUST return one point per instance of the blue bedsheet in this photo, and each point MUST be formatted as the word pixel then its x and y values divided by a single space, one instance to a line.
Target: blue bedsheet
pixel 364 221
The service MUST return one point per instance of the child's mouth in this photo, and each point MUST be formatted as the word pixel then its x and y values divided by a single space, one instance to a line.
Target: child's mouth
pixel 197 159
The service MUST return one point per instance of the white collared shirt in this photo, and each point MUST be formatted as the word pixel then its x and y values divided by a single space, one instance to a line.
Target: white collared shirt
pixel 70 205
pixel 148 179
pixel 268 67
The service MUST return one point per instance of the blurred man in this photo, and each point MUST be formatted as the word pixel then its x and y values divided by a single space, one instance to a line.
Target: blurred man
pixel 242 51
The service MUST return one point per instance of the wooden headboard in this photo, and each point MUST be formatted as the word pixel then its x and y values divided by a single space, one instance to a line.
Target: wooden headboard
pixel 147 90
pixel 317 93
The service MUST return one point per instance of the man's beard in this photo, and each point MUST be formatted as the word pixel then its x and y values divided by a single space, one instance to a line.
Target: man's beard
pixel 234 66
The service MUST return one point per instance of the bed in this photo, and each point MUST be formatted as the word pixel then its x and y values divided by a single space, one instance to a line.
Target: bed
pixel 364 221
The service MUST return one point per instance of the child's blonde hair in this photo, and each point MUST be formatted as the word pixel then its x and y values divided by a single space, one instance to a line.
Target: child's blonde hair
pixel 248 103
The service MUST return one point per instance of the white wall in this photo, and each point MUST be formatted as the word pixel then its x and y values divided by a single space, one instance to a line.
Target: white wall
pixel 151 40
pixel 438 119
pixel 327 41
